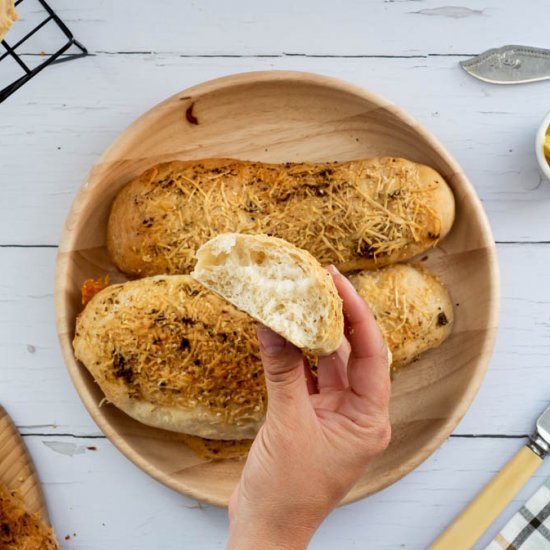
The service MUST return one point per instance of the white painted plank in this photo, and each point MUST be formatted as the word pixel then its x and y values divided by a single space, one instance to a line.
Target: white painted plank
pixel 318 27
pixel 36 389
pixel 54 129
pixel 517 385
pixel 110 504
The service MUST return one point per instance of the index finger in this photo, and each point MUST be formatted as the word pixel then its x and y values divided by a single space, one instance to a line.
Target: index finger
pixel 368 373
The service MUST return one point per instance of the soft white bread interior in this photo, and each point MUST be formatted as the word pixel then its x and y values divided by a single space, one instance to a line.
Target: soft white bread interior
pixel 278 284
pixel 412 308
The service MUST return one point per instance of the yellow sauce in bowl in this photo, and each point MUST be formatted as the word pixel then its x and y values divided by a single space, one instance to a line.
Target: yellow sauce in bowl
pixel 546 145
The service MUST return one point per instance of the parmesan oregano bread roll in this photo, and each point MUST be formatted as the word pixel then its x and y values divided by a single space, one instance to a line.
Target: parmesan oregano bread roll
pixel 361 214
pixel 412 308
pixel 278 284
pixel 173 355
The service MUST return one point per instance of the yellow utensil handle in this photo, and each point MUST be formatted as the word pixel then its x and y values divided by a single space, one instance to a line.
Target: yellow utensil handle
pixel 489 503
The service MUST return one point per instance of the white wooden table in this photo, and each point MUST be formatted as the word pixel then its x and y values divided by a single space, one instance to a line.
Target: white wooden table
pixel 55 127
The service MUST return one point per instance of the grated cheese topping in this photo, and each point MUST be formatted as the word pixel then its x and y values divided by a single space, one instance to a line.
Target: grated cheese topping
pixel 339 212
pixel 170 342
pixel 20 529
pixel 406 309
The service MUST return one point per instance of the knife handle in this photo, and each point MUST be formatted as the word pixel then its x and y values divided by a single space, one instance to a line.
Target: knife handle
pixel 489 503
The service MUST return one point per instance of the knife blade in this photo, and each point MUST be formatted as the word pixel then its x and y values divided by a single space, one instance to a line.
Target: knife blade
pixel 510 65
pixel 489 503
pixel 540 440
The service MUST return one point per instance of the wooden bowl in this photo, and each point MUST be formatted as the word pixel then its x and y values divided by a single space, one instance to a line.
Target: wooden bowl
pixel 278 117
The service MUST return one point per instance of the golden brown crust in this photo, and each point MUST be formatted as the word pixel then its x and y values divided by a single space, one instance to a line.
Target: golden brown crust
pixel 19 529
pixel 8 16
pixel 356 215
pixel 173 355
pixel 412 308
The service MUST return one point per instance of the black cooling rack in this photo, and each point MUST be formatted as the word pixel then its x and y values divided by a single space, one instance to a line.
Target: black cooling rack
pixel 49 59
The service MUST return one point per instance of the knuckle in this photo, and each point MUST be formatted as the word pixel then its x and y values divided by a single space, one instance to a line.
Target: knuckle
pixel 281 363
pixel 282 372
pixel 380 437
pixel 375 436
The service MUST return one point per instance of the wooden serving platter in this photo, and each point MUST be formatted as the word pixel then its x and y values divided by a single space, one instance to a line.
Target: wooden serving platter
pixel 279 117
pixel 17 469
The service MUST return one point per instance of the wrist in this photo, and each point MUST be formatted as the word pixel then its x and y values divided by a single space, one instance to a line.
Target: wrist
pixel 272 535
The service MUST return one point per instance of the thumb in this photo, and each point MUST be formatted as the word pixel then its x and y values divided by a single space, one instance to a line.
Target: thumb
pixel 283 368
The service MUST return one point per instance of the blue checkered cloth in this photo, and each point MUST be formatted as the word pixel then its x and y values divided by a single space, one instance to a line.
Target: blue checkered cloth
pixel 529 529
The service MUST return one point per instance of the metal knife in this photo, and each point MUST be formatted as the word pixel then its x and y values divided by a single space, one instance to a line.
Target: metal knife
pixel 510 65
pixel 489 503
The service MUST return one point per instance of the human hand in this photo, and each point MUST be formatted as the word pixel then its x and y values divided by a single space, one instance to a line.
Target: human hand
pixel 314 445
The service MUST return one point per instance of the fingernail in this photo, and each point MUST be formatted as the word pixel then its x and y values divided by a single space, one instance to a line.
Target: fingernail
pixel 271 342
pixel 334 271
pixel 348 283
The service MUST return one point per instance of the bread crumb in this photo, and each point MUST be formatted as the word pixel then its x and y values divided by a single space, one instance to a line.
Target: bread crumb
pixel 91 287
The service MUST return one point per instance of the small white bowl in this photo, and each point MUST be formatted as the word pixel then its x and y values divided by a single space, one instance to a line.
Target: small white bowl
pixel 539 147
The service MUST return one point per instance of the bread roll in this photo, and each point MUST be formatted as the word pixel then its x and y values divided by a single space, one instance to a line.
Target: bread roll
pixel 21 529
pixel 356 215
pixel 412 308
pixel 8 16
pixel 281 286
pixel 173 355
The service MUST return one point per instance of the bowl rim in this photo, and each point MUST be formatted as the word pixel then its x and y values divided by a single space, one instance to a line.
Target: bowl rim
pixel 544 165
pixel 444 429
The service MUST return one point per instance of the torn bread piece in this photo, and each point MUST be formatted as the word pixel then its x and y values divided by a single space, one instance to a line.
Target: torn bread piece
pixel 278 284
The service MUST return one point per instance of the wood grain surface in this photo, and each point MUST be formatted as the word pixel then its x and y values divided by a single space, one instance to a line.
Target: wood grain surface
pixel 17 470
pixel 278 117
